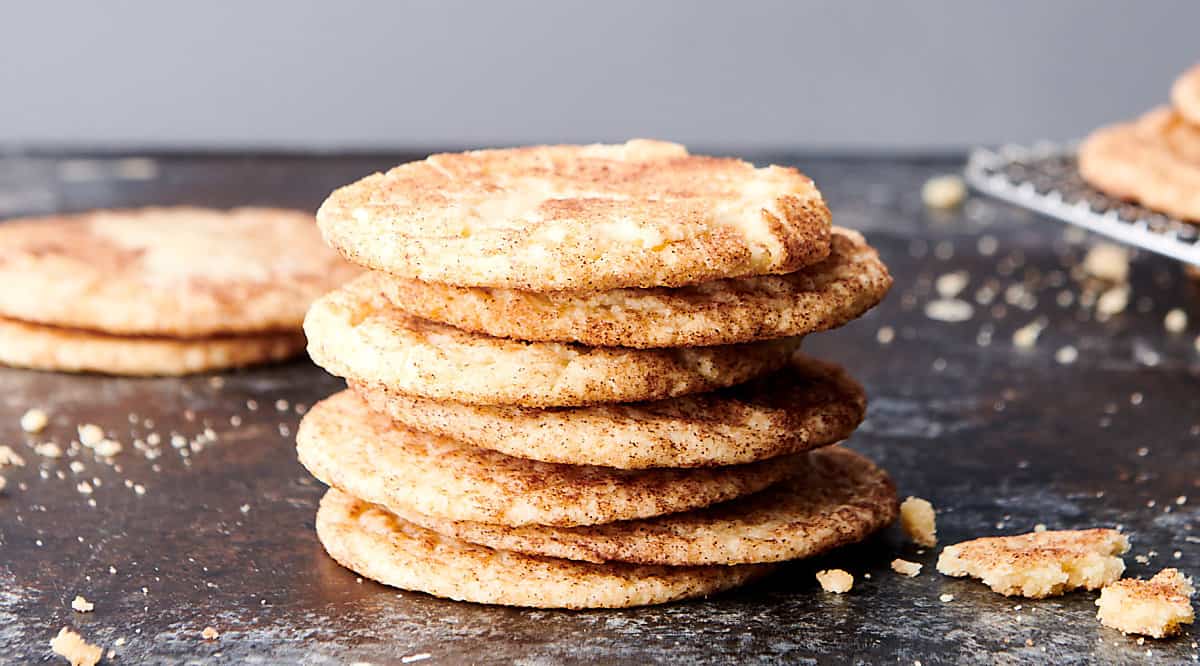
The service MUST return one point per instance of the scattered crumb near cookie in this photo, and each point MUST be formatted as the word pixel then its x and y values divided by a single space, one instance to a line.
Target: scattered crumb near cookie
pixel 48 450
pixel 837 581
pixel 210 634
pixel 107 448
pixel 1039 564
pixel 81 605
pixel 1113 301
pixel 946 598
pixel 10 457
pixel 944 192
pixel 1026 336
pixel 949 310
pixel 1176 321
pixel 1158 607
pixel 919 521
pixel 72 647
pixel 1108 262
pixel 949 285
pixel 905 567
pixel 34 421
pixel 89 434
pixel 1066 355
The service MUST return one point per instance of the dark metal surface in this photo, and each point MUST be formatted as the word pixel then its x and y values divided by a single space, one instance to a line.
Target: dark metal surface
pixel 999 438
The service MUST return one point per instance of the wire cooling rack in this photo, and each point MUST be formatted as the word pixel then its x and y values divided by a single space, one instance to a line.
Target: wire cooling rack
pixel 1044 178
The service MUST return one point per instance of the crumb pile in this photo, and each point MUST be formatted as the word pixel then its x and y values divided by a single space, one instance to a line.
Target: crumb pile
pixel 159 291
pixel 574 378
pixel 1154 160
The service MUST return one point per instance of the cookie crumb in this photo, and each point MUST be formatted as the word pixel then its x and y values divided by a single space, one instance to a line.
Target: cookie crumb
pixel 946 598
pixel 949 310
pixel 837 581
pixel 919 521
pixel 90 434
pixel 10 457
pixel 1066 355
pixel 107 448
pixel 81 605
pixel 1026 336
pixel 415 657
pixel 1175 321
pixel 1039 564
pixel 944 192
pixel 210 634
pixel 48 450
pixel 1108 262
pixel 34 420
pixel 1113 301
pixel 1158 607
pixel 905 567
pixel 885 335
pixel 950 285
pixel 74 649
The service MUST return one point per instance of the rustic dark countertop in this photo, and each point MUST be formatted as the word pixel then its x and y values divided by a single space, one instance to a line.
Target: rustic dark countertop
pixel 999 438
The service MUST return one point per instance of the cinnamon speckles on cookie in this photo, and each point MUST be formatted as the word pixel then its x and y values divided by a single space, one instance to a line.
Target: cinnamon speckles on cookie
pixel 354 332
pixel 383 547
pixel 825 295
pixel 176 272
pixel 551 218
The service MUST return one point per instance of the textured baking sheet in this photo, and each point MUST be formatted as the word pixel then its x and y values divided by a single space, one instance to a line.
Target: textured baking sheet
pixel 1045 178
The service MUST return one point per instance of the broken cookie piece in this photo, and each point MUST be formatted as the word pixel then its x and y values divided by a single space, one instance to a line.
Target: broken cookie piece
pixel 905 567
pixel 919 521
pixel 837 581
pixel 1039 564
pixel 1158 607
pixel 71 646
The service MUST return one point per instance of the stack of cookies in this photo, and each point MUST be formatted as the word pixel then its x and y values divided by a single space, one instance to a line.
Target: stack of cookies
pixel 160 291
pixel 1154 160
pixel 574 379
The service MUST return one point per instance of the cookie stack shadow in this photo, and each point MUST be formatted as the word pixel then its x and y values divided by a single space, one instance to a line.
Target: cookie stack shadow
pixel 574 377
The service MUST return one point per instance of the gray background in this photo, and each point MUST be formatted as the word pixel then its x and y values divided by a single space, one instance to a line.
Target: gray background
pixel 374 75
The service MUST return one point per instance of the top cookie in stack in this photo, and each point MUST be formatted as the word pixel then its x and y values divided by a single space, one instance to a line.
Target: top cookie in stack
pixel 581 218
pixel 564 360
